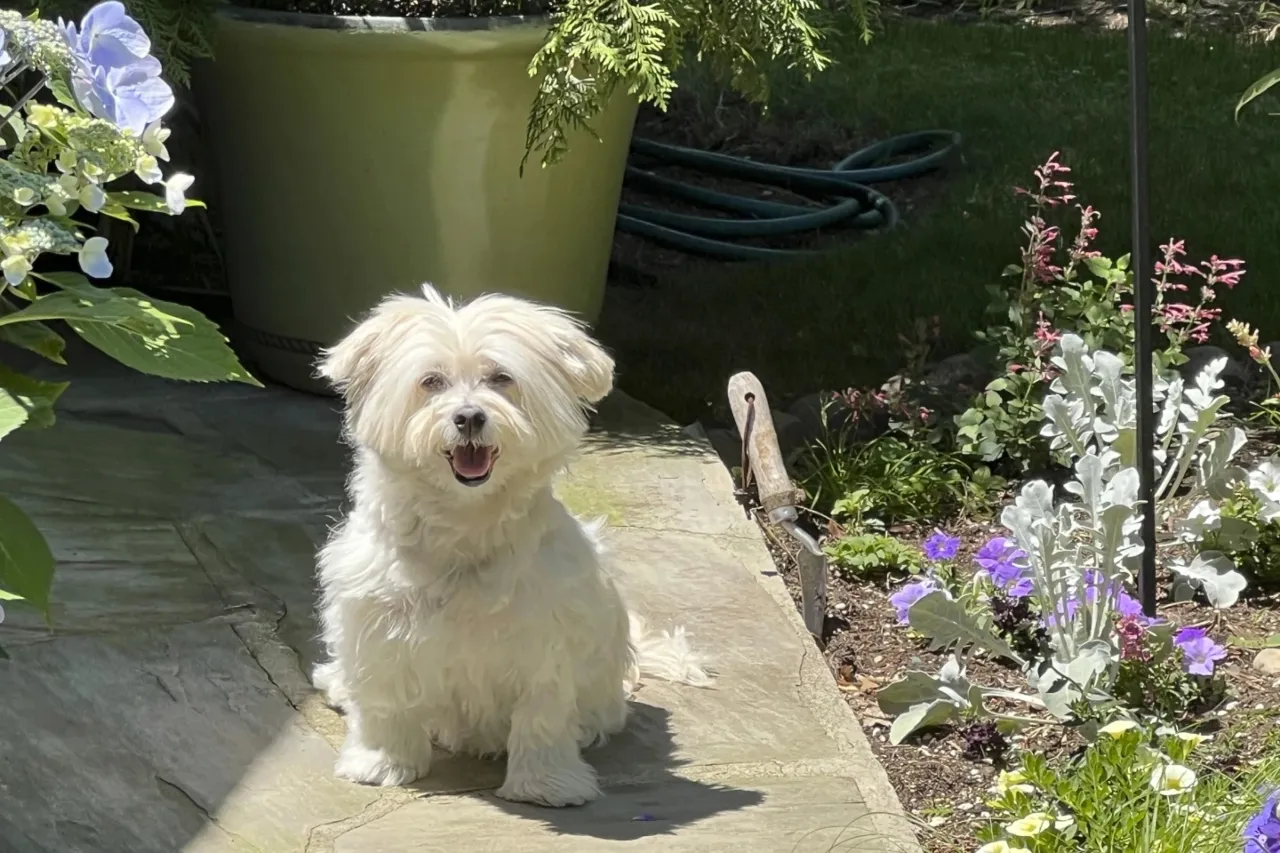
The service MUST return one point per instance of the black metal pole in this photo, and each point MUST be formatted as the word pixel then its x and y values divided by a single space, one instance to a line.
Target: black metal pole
pixel 1143 300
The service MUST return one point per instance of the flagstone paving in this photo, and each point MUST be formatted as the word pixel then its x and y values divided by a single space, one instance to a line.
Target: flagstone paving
pixel 168 707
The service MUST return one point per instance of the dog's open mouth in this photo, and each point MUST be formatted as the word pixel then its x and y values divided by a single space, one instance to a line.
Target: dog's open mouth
pixel 472 463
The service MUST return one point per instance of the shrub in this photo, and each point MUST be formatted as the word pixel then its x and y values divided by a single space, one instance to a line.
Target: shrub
pixel 1074 559
pixel 1133 790
pixel 1062 288
pixel 60 160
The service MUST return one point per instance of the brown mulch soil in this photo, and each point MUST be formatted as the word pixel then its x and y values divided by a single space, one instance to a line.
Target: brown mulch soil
pixel 938 784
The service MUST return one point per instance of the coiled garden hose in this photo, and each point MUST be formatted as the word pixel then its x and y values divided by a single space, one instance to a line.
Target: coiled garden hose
pixel 844 190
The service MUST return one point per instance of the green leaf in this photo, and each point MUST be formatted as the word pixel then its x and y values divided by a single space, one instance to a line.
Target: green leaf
pixel 146 201
pixel 163 339
pixel 945 622
pixel 26 401
pixel 35 337
pixel 1099 266
pixel 62 94
pixel 118 211
pixel 1272 642
pixel 92 303
pixel 26 563
pixel 921 716
pixel 1259 86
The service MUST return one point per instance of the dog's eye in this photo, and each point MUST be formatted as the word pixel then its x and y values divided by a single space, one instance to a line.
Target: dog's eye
pixel 434 382
pixel 501 378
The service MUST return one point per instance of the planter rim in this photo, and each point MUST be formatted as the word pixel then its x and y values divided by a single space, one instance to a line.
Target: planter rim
pixel 372 23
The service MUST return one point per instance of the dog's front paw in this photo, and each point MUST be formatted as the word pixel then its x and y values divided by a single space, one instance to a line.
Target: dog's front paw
pixel 570 785
pixel 377 767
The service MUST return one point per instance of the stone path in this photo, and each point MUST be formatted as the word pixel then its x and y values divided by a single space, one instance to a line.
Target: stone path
pixel 168 708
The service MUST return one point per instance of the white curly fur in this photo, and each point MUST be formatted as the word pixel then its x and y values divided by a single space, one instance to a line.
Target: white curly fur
pixel 475 613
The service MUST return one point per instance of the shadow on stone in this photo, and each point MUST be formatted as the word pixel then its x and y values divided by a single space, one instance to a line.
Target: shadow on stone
pixel 645 800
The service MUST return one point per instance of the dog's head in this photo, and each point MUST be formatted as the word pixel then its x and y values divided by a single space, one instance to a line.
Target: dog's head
pixel 469 395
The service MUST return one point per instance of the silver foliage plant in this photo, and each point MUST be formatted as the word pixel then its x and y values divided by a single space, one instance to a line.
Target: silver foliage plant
pixel 1081 553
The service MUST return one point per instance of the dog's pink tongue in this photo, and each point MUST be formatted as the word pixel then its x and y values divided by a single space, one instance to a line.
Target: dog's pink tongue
pixel 471 461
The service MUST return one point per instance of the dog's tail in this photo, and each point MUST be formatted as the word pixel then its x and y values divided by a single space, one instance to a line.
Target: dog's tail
pixel 667 655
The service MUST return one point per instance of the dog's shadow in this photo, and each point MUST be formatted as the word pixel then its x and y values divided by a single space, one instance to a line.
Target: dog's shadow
pixel 642 795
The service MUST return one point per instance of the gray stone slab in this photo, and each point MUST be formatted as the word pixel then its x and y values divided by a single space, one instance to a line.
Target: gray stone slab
pixel 144 471
pixel 115 573
pixel 761 815
pixel 129 743
pixel 270 556
pixel 168 708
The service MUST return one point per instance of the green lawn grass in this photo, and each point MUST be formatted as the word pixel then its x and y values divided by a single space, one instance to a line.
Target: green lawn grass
pixel 1016 95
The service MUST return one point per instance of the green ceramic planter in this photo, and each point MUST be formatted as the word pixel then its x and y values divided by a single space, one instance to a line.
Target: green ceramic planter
pixel 361 156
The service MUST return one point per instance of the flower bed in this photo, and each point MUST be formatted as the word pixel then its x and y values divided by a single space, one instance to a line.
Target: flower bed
pixel 992 643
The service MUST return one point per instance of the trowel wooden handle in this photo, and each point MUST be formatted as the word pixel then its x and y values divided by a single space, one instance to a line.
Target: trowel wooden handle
pixel 749 403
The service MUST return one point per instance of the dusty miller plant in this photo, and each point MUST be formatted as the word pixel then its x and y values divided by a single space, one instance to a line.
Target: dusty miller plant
pixel 1081 552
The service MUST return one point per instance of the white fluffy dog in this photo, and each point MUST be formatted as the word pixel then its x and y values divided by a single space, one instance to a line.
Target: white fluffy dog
pixel 461 604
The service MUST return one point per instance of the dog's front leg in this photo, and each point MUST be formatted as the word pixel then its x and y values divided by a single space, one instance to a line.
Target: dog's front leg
pixel 386 749
pixel 544 764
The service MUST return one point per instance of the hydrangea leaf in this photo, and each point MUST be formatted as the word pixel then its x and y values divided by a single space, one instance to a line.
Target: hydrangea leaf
pixel 35 337
pixel 26 563
pixel 25 401
pixel 149 335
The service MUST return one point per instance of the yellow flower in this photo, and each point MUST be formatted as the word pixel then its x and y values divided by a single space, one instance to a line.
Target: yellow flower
pixel 1014 780
pixel 1001 847
pixel 42 115
pixel 1192 739
pixel 1244 335
pixel 1172 780
pixel 1030 826
pixel 1118 728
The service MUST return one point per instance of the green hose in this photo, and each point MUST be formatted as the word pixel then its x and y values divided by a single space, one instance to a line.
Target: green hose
pixel 843 188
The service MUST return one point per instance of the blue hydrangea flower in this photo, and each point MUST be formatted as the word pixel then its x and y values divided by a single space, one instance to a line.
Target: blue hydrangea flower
pixel 6 58
pixel 940 546
pixel 1262 832
pixel 113 74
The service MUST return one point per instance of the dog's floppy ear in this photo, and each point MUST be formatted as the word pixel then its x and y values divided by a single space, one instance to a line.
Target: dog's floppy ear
pixel 348 364
pixel 584 361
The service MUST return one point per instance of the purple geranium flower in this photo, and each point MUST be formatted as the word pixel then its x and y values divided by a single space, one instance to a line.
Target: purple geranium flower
pixel 909 595
pixel 940 546
pixel 1006 564
pixel 1129 607
pixel 113 74
pixel 1200 654
pixel 1066 610
pixel 1262 832
pixel 998 554
pixel 1189 635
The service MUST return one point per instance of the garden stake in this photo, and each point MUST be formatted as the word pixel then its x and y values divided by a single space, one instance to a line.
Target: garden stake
pixel 762 464
pixel 1143 302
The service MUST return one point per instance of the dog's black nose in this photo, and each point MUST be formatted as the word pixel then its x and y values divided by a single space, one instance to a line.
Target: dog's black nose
pixel 469 419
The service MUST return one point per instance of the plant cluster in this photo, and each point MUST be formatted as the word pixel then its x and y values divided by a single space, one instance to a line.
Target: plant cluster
pixel 88 114
pixel 1073 561
pixel 1132 789
pixel 1066 287
pixel 888 480
pixel 857 555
